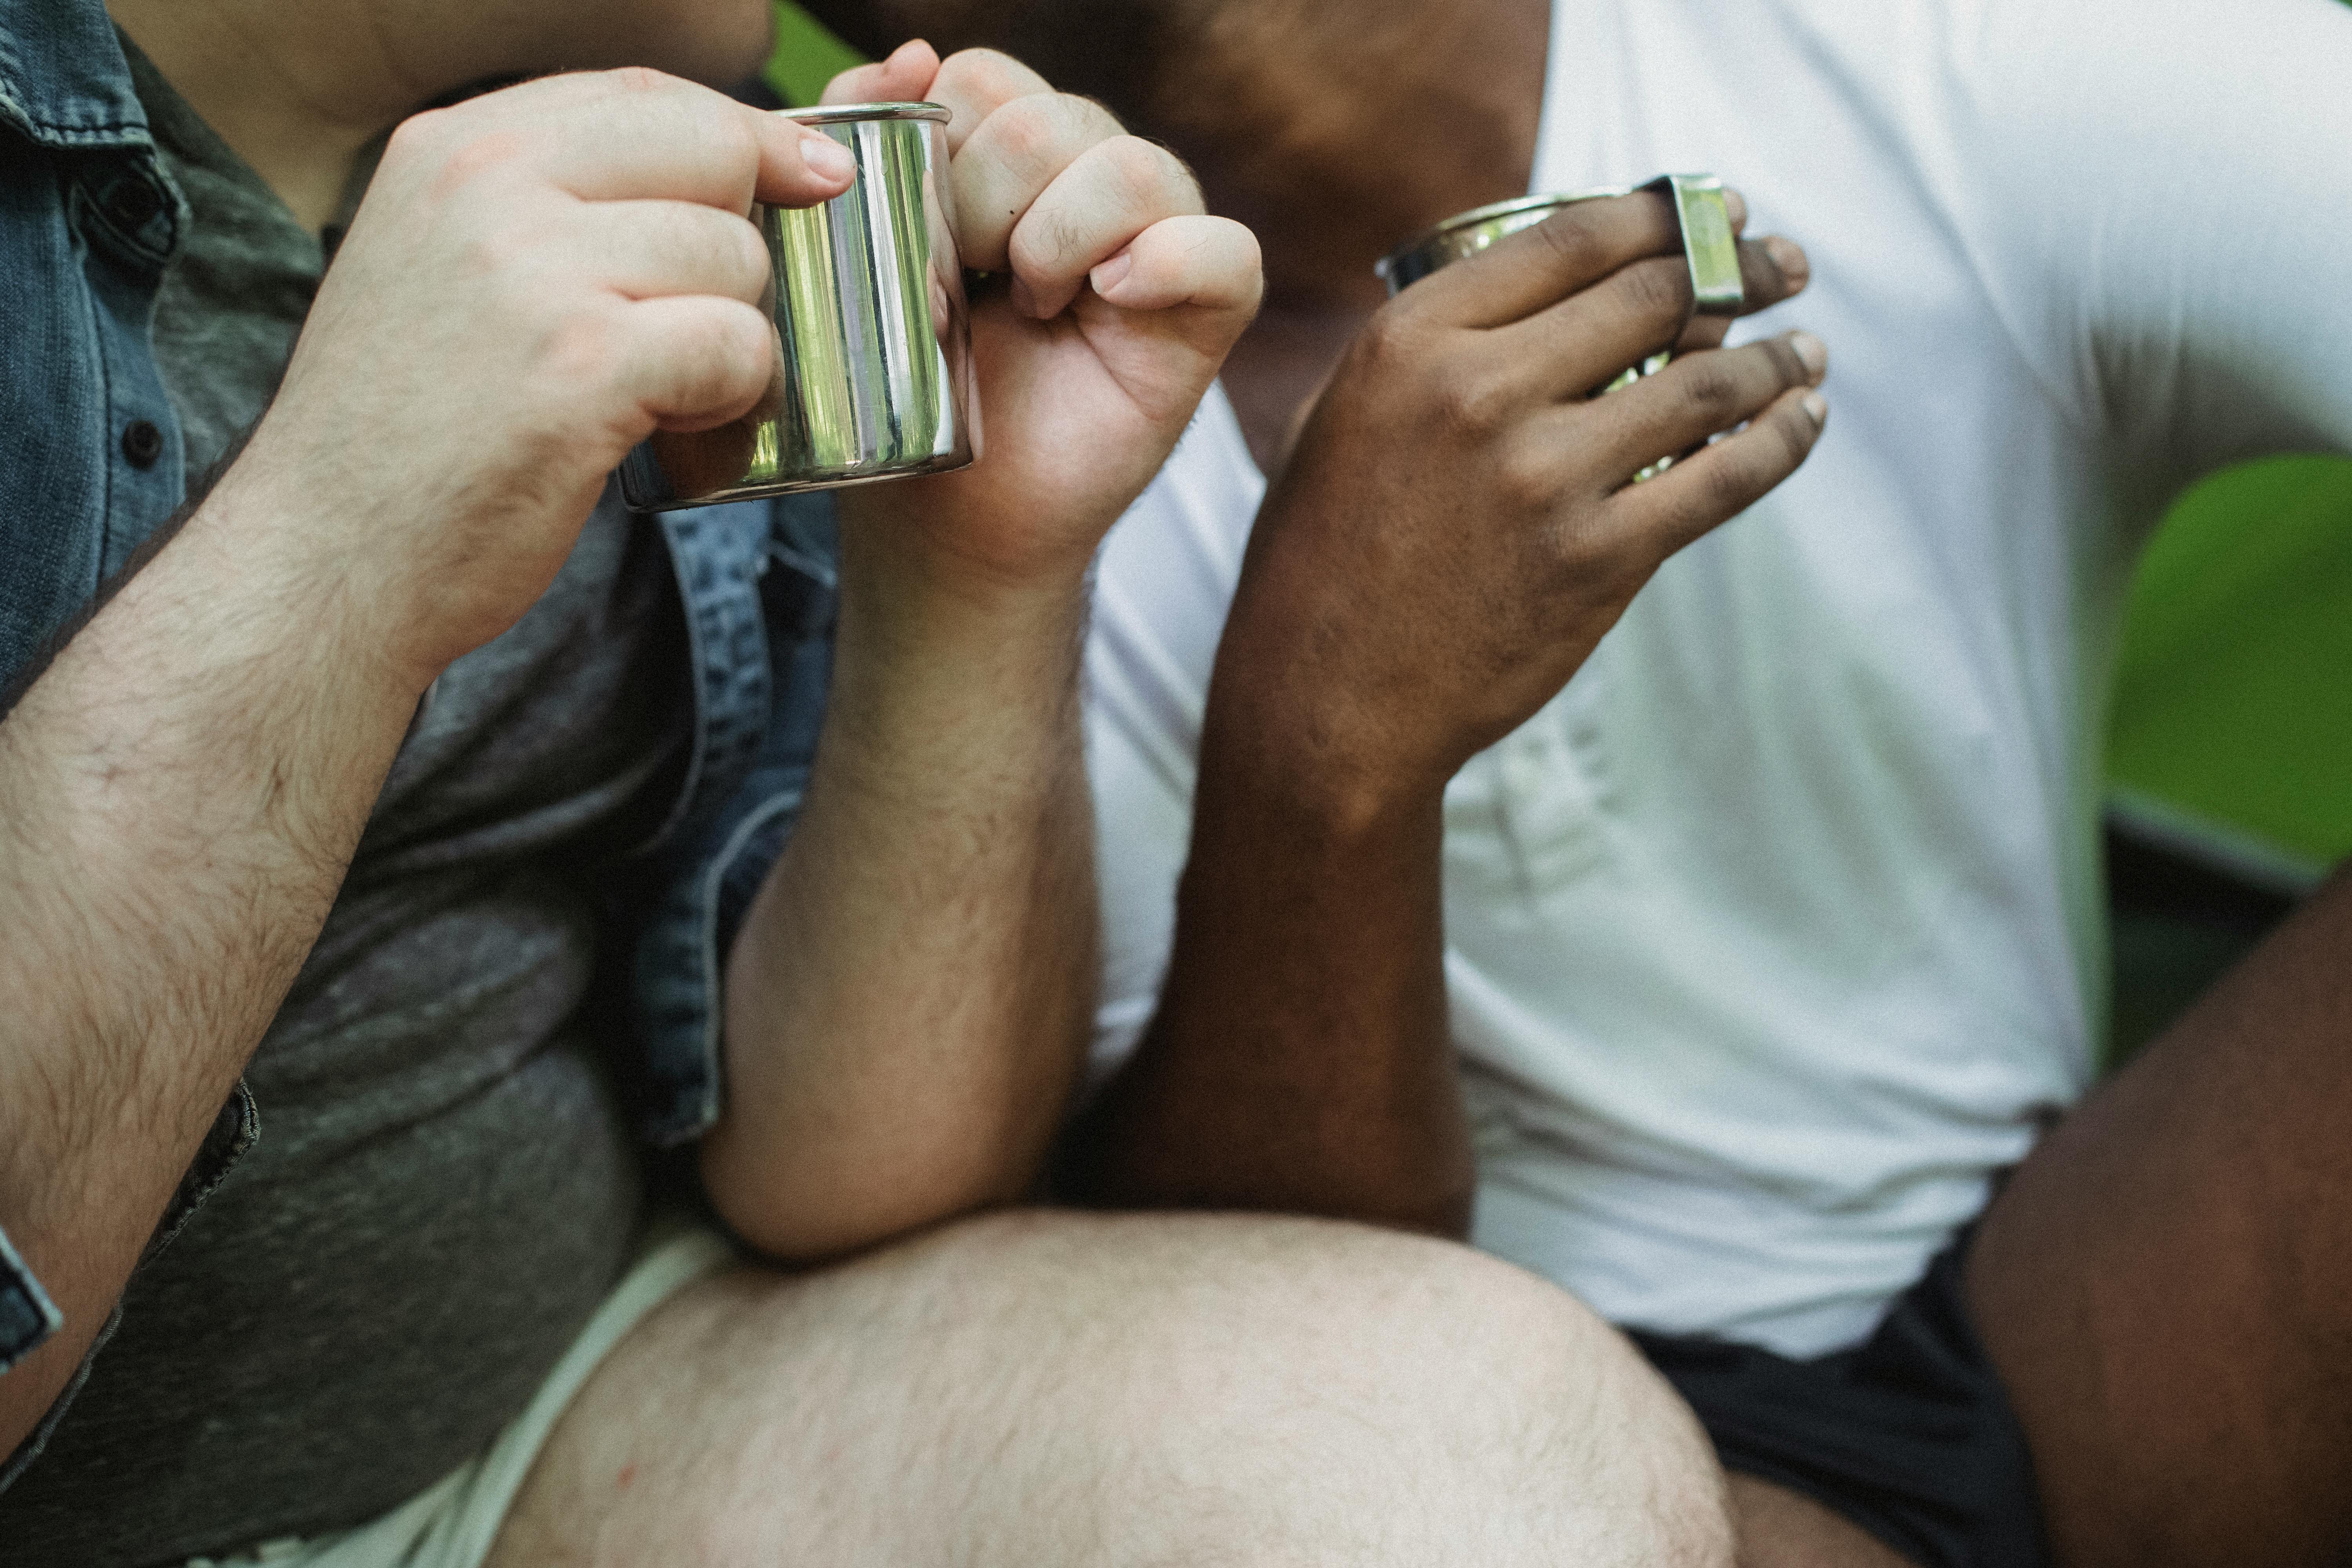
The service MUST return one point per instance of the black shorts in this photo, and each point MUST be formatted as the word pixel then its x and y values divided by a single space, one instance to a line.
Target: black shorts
pixel 1910 1433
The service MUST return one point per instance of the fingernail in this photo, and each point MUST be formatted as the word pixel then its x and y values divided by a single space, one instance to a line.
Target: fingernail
pixel 1812 352
pixel 1795 270
pixel 1818 407
pixel 1109 274
pixel 826 158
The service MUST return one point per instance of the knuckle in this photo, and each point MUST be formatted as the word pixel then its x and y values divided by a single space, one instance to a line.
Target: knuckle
pixel 1657 291
pixel 742 249
pixel 1592 559
pixel 1139 170
pixel 578 350
pixel 1026 130
pixel 1711 387
pixel 458 153
pixel 735 141
pixel 500 252
pixel 1072 123
pixel 638 79
pixel 1088 117
pixel 747 234
pixel 989 75
pixel 1527 477
pixel 1048 242
pixel 1796 431
pixel 417 136
pixel 1468 401
pixel 738 343
pixel 1733 484
pixel 1387 340
pixel 1568 235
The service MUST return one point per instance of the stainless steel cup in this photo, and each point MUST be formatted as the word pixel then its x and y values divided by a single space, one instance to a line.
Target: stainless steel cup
pixel 873 340
pixel 1709 248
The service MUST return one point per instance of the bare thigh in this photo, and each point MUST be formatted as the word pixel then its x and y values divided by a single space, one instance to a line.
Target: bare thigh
pixel 1782 1529
pixel 2166 1285
pixel 1042 1389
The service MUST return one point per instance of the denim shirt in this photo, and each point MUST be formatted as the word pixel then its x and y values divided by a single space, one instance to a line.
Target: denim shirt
pixel 91 465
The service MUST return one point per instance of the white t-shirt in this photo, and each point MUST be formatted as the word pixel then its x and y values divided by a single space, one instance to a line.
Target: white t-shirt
pixel 1780 930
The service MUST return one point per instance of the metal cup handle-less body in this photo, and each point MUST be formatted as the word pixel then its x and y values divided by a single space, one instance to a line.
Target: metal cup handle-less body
pixel 1709 248
pixel 873 340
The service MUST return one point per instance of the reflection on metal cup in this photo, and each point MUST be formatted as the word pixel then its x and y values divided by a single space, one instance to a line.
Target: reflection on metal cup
pixel 873 342
pixel 1709 248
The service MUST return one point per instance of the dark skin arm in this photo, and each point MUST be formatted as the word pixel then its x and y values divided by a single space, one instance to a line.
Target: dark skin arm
pixel 1300 1059
pixel 1452 535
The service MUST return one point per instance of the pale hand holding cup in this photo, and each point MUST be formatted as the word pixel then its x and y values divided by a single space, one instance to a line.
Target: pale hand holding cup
pixel 539 278
pixel 1119 300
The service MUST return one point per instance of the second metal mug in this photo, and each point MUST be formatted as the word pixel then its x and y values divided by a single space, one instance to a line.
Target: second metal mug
pixel 873 341
pixel 1709 249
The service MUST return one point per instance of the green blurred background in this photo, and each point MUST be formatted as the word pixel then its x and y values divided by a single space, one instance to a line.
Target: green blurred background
pixel 2229 739
pixel 806 56
pixel 2234 701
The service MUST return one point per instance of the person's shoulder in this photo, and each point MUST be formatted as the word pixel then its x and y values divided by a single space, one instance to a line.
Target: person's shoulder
pixel 2089 63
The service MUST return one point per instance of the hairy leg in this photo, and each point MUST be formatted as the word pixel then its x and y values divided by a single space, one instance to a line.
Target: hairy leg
pixel 2166 1284
pixel 1039 1389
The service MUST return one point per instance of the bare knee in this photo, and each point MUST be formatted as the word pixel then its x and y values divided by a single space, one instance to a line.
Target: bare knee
pixel 1392 1398
pixel 1565 1443
pixel 1131 1391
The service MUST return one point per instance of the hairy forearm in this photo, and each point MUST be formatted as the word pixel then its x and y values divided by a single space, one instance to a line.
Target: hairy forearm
pixel 179 794
pixel 1300 1059
pixel 908 1002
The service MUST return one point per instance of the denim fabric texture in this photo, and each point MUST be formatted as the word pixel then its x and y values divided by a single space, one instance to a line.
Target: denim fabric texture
pixel 88 223
pixel 759 573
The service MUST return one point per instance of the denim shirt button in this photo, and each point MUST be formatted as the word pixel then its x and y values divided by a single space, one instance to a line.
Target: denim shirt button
pixel 143 443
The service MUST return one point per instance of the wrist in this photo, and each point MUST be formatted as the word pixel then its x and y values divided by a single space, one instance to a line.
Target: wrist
pixel 1285 766
pixel 319 593
pixel 931 662
pixel 961 535
pixel 905 596
pixel 299 604
pixel 1299 739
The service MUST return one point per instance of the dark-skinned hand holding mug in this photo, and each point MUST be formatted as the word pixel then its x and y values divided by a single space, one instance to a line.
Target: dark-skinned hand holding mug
pixel 1457 526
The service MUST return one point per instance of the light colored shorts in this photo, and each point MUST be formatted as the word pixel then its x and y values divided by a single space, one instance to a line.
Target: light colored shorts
pixel 452 1524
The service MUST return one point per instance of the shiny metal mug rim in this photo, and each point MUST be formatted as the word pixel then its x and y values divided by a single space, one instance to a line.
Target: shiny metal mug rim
pixel 843 113
pixel 1386 266
pixel 1709 248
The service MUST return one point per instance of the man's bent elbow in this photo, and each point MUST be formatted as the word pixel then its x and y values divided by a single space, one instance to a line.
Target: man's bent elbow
pixel 808 1212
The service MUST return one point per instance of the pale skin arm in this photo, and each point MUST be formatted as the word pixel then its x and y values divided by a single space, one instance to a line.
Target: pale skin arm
pixel 185 784
pixel 183 789
pixel 908 1004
